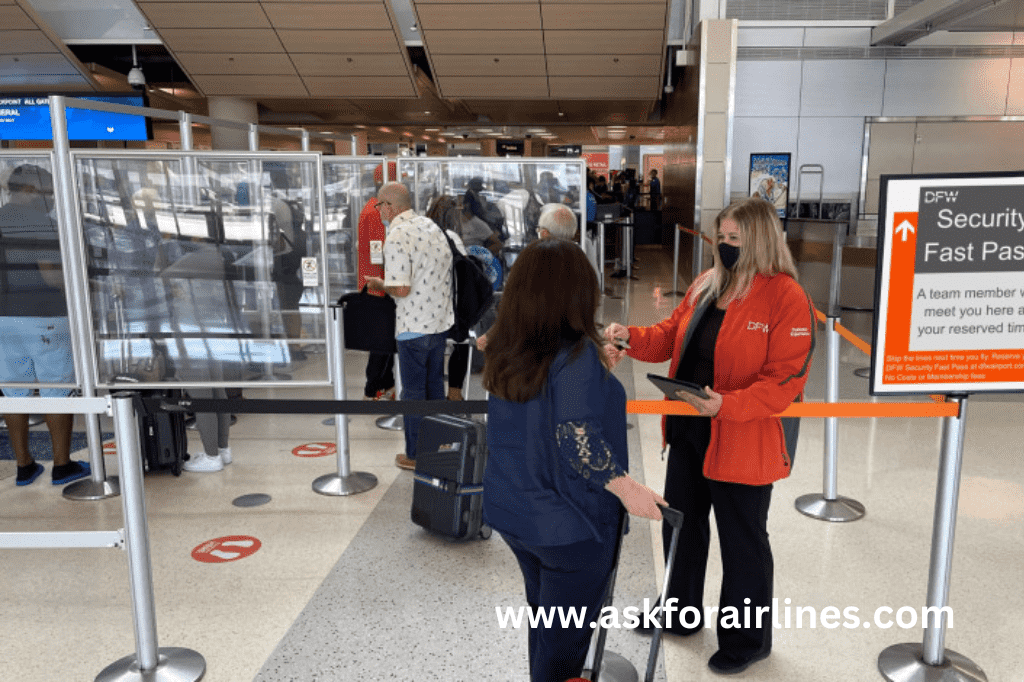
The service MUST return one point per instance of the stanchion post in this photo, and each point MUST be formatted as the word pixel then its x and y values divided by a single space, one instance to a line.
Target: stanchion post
pixel 697 265
pixel 830 506
pixel 98 486
pixel 345 482
pixel 930 660
pixel 148 664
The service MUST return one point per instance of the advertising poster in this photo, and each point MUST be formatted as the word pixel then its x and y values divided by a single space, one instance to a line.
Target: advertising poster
pixel 597 162
pixel 949 297
pixel 769 179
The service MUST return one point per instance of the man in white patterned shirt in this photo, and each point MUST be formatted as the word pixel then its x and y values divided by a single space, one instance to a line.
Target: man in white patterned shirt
pixel 418 274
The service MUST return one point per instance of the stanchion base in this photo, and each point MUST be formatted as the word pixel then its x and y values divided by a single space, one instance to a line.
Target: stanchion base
pixel 391 422
pixel 862 372
pixel 88 489
pixel 838 510
pixel 353 484
pixel 330 421
pixel 174 664
pixel 615 668
pixel 905 663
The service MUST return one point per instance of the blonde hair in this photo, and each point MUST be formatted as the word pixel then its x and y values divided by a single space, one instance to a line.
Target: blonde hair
pixel 764 251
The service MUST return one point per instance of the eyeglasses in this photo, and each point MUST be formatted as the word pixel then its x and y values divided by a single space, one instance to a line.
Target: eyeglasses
pixel 381 203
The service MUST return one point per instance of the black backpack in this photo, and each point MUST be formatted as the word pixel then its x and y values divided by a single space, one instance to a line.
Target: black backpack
pixel 472 291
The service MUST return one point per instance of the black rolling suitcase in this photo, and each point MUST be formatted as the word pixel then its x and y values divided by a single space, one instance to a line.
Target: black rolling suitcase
pixel 592 670
pixel 162 437
pixel 447 497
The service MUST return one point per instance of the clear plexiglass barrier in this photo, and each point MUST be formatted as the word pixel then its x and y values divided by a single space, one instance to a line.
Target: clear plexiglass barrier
pixel 349 186
pixel 37 346
pixel 492 204
pixel 204 268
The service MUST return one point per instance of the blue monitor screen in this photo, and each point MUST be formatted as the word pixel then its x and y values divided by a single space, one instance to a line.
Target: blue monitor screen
pixel 28 118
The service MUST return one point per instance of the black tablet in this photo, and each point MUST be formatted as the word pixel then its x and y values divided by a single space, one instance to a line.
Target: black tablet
pixel 670 386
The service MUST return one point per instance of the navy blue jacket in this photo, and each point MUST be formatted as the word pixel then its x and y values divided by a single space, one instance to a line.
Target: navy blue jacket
pixel 540 491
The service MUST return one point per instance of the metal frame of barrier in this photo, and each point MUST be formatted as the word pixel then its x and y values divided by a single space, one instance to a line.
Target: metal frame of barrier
pixel 150 663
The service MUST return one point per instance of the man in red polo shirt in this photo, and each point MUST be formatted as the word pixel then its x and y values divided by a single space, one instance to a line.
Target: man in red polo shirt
pixel 380 374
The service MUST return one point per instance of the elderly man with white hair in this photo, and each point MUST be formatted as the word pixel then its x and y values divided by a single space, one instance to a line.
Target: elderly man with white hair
pixel 557 221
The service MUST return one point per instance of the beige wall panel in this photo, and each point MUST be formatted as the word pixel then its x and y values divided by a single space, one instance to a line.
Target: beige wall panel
pixel 322 86
pixel 1015 92
pixel 607 87
pixel 251 86
pixel 484 42
pixel 339 42
pixel 604 65
pixel 255 40
pixel 237 64
pixel 892 148
pixel 968 146
pixel 44 64
pixel 213 15
pixel 713 184
pixel 520 16
pixel 573 17
pixel 328 15
pixel 715 132
pixel 16 42
pixel 716 97
pixel 350 64
pixel 489 65
pixel 13 17
pixel 626 41
pixel 489 88
pixel 719 47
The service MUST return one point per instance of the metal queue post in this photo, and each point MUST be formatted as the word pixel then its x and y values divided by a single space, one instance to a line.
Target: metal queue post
pixel 150 663
pixel 675 262
pixel 346 481
pixel 930 661
pixel 98 486
pixel 830 505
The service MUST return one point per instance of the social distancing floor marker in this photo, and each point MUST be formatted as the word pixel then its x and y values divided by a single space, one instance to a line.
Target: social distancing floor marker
pixel 227 548
pixel 315 450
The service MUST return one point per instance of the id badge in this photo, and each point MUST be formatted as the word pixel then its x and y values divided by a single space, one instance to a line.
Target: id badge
pixel 376 252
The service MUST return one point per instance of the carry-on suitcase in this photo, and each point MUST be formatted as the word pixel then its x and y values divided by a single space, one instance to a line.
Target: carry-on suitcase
pixel 593 667
pixel 162 437
pixel 447 497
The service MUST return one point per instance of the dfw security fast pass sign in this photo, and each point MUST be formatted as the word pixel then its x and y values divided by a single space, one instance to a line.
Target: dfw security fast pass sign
pixel 949 297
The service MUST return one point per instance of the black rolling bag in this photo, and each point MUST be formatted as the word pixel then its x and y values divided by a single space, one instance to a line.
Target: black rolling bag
pixel 162 437
pixel 447 498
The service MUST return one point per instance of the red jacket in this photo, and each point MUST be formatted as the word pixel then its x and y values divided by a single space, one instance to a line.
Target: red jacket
pixel 370 229
pixel 762 357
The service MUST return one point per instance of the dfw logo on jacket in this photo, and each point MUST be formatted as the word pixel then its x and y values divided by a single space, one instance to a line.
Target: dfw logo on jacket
pixel 762 327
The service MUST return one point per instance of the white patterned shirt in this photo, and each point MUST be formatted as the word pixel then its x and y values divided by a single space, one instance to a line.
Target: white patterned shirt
pixel 417 255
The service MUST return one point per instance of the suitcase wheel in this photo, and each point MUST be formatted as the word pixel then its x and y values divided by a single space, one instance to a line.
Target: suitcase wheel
pixel 485 532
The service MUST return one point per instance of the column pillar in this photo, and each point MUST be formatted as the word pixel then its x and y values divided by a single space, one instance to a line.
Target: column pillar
pixel 232 109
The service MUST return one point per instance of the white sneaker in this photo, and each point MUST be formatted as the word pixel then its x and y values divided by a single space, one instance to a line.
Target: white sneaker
pixel 202 463
pixel 225 455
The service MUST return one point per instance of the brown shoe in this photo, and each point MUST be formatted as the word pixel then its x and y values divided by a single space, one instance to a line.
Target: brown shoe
pixel 454 393
pixel 403 462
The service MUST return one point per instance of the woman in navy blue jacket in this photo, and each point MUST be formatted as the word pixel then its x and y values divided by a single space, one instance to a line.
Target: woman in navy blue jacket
pixel 556 476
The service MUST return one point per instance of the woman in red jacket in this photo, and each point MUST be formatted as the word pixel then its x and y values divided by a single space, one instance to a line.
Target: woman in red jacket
pixel 745 330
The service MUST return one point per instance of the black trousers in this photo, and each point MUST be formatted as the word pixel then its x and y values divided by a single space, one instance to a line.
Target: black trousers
pixel 741 516
pixel 380 373
pixel 458 362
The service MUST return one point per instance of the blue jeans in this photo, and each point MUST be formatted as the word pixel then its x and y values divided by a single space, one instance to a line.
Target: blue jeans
pixel 421 362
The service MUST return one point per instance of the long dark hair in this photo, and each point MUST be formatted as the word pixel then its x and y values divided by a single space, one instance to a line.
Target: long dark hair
pixel 549 302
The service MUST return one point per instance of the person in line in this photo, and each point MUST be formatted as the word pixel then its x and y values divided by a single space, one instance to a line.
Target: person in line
pixel 418 274
pixel 445 212
pixel 655 190
pixel 380 367
pixel 34 324
pixel 557 221
pixel 556 475
pixel 745 331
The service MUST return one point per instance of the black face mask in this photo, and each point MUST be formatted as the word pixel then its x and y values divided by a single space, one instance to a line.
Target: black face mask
pixel 729 255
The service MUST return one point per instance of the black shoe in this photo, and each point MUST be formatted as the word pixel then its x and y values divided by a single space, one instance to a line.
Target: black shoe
pixel 728 664
pixel 618 274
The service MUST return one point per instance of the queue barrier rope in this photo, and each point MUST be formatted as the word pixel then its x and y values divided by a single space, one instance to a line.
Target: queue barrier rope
pixel 279 406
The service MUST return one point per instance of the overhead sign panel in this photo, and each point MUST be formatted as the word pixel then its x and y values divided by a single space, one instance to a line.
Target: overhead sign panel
pixel 949 299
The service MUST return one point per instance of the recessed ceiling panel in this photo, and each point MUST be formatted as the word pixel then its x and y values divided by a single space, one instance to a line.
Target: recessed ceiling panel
pixel 605 87
pixel 236 63
pixel 15 42
pixel 527 87
pixel 573 17
pixel 13 17
pixel 221 40
pixel 604 65
pixel 484 42
pixel 488 65
pixel 212 15
pixel 623 41
pixel 350 64
pixel 339 42
pixel 335 15
pixel 377 86
pixel 251 86
pixel 519 16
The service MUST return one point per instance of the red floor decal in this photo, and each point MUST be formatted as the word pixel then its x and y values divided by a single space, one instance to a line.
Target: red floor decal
pixel 315 450
pixel 227 548
pixel 110 448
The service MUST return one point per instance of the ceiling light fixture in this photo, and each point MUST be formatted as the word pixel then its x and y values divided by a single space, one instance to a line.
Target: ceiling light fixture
pixel 384 130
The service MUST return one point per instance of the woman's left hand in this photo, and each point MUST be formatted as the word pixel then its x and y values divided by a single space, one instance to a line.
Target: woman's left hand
pixel 705 408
